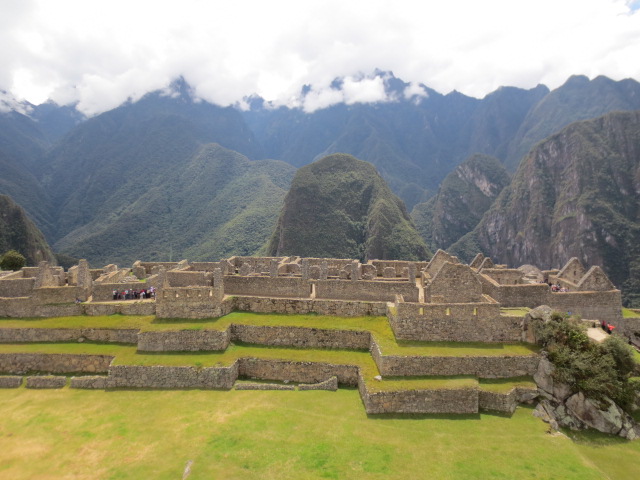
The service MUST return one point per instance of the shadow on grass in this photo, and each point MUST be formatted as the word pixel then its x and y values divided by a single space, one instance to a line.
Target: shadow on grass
pixel 593 438
pixel 423 416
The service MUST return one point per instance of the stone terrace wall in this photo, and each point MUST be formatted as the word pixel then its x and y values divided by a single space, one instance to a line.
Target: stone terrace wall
pixel 34 335
pixel 464 322
pixel 18 287
pixel 630 328
pixel 505 402
pixel 482 367
pixel 166 377
pixel 183 341
pixel 301 337
pixel 421 401
pixel 340 308
pixel 124 307
pixel 267 286
pixel 369 290
pixel 304 372
pixel 22 363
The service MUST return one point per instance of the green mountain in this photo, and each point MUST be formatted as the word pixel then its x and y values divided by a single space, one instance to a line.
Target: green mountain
pixel 577 194
pixel 22 148
pixel 213 205
pixel 18 232
pixel 340 206
pixel 413 142
pixel 462 199
pixel 578 99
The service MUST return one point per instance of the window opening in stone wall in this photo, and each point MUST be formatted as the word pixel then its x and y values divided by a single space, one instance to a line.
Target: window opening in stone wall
pixel 475 311
pixel 447 312
pixel 421 311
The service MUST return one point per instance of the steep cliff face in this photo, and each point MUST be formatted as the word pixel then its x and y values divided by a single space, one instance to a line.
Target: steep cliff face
pixel 464 196
pixel 341 207
pixel 576 194
pixel 18 232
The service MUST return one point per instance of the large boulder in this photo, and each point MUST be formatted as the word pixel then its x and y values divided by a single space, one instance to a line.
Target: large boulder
pixel 607 420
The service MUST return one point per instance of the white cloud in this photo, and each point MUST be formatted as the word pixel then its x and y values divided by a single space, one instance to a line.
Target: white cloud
pixel 101 53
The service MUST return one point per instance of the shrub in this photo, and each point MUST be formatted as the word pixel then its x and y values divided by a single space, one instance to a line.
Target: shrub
pixel 12 260
pixel 597 370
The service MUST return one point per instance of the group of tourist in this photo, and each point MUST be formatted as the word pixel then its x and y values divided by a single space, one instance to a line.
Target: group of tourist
pixel 132 294
pixel 555 287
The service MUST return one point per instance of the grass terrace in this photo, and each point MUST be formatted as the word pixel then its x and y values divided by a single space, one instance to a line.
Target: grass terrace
pixel 134 434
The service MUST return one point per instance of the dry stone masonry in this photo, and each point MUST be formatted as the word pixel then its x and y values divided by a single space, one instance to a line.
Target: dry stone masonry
pixel 439 300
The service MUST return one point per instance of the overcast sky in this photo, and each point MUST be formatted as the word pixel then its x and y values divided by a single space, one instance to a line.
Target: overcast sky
pixel 99 53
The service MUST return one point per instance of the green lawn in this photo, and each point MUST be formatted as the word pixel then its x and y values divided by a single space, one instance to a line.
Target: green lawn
pixel 628 313
pixel 79 434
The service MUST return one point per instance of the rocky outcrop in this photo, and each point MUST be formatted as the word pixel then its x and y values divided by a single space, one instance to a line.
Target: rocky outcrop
pixel 574 195
pixel 560 407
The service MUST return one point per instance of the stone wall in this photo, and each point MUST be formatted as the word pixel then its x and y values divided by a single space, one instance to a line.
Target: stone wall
pixel 191 302
pixel 22 363
pixel 463 322
pixel 421 401
pixel 46 382
pixel 267 286
pixel 10 381
pixel 18 287
pixel 589 305
pixel 305 372
pixel 48 295
pixel 104 292
pixel 483 367
pixel 167 377
pixel 367 290
pixel 123 307
pixel 340 308
pixel 183 341
pixel 35 335
pixel 505 402
pixel 188 279
pixel 301 337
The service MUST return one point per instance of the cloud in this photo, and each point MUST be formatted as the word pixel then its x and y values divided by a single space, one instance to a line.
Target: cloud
pixel 102 53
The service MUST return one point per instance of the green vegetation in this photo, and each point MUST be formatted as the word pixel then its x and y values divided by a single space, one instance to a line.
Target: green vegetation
pixel 628 313
pixel 12 260
pixel 598 370
pixel 463 197
pixel 341 207
pixel 285 435
pixel 20 239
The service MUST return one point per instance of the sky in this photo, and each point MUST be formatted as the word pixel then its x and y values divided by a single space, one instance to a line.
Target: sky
pixel 97 54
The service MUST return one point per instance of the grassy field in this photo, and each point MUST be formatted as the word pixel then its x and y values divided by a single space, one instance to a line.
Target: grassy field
pixel 76 434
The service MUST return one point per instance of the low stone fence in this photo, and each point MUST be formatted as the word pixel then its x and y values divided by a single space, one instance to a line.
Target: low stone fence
pixel 482 367
pixel 23 363
pixel 46 382
pixel 421 401
pixel 300 372
pixel 168 377
pixel 505 402
pixel 301 337
pixel 39 335
pixel 330 385
pixel 183 341
pixel 10 381
pixel 263 386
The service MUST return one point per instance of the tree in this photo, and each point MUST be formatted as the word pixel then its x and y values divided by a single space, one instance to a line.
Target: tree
pixel 12 260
